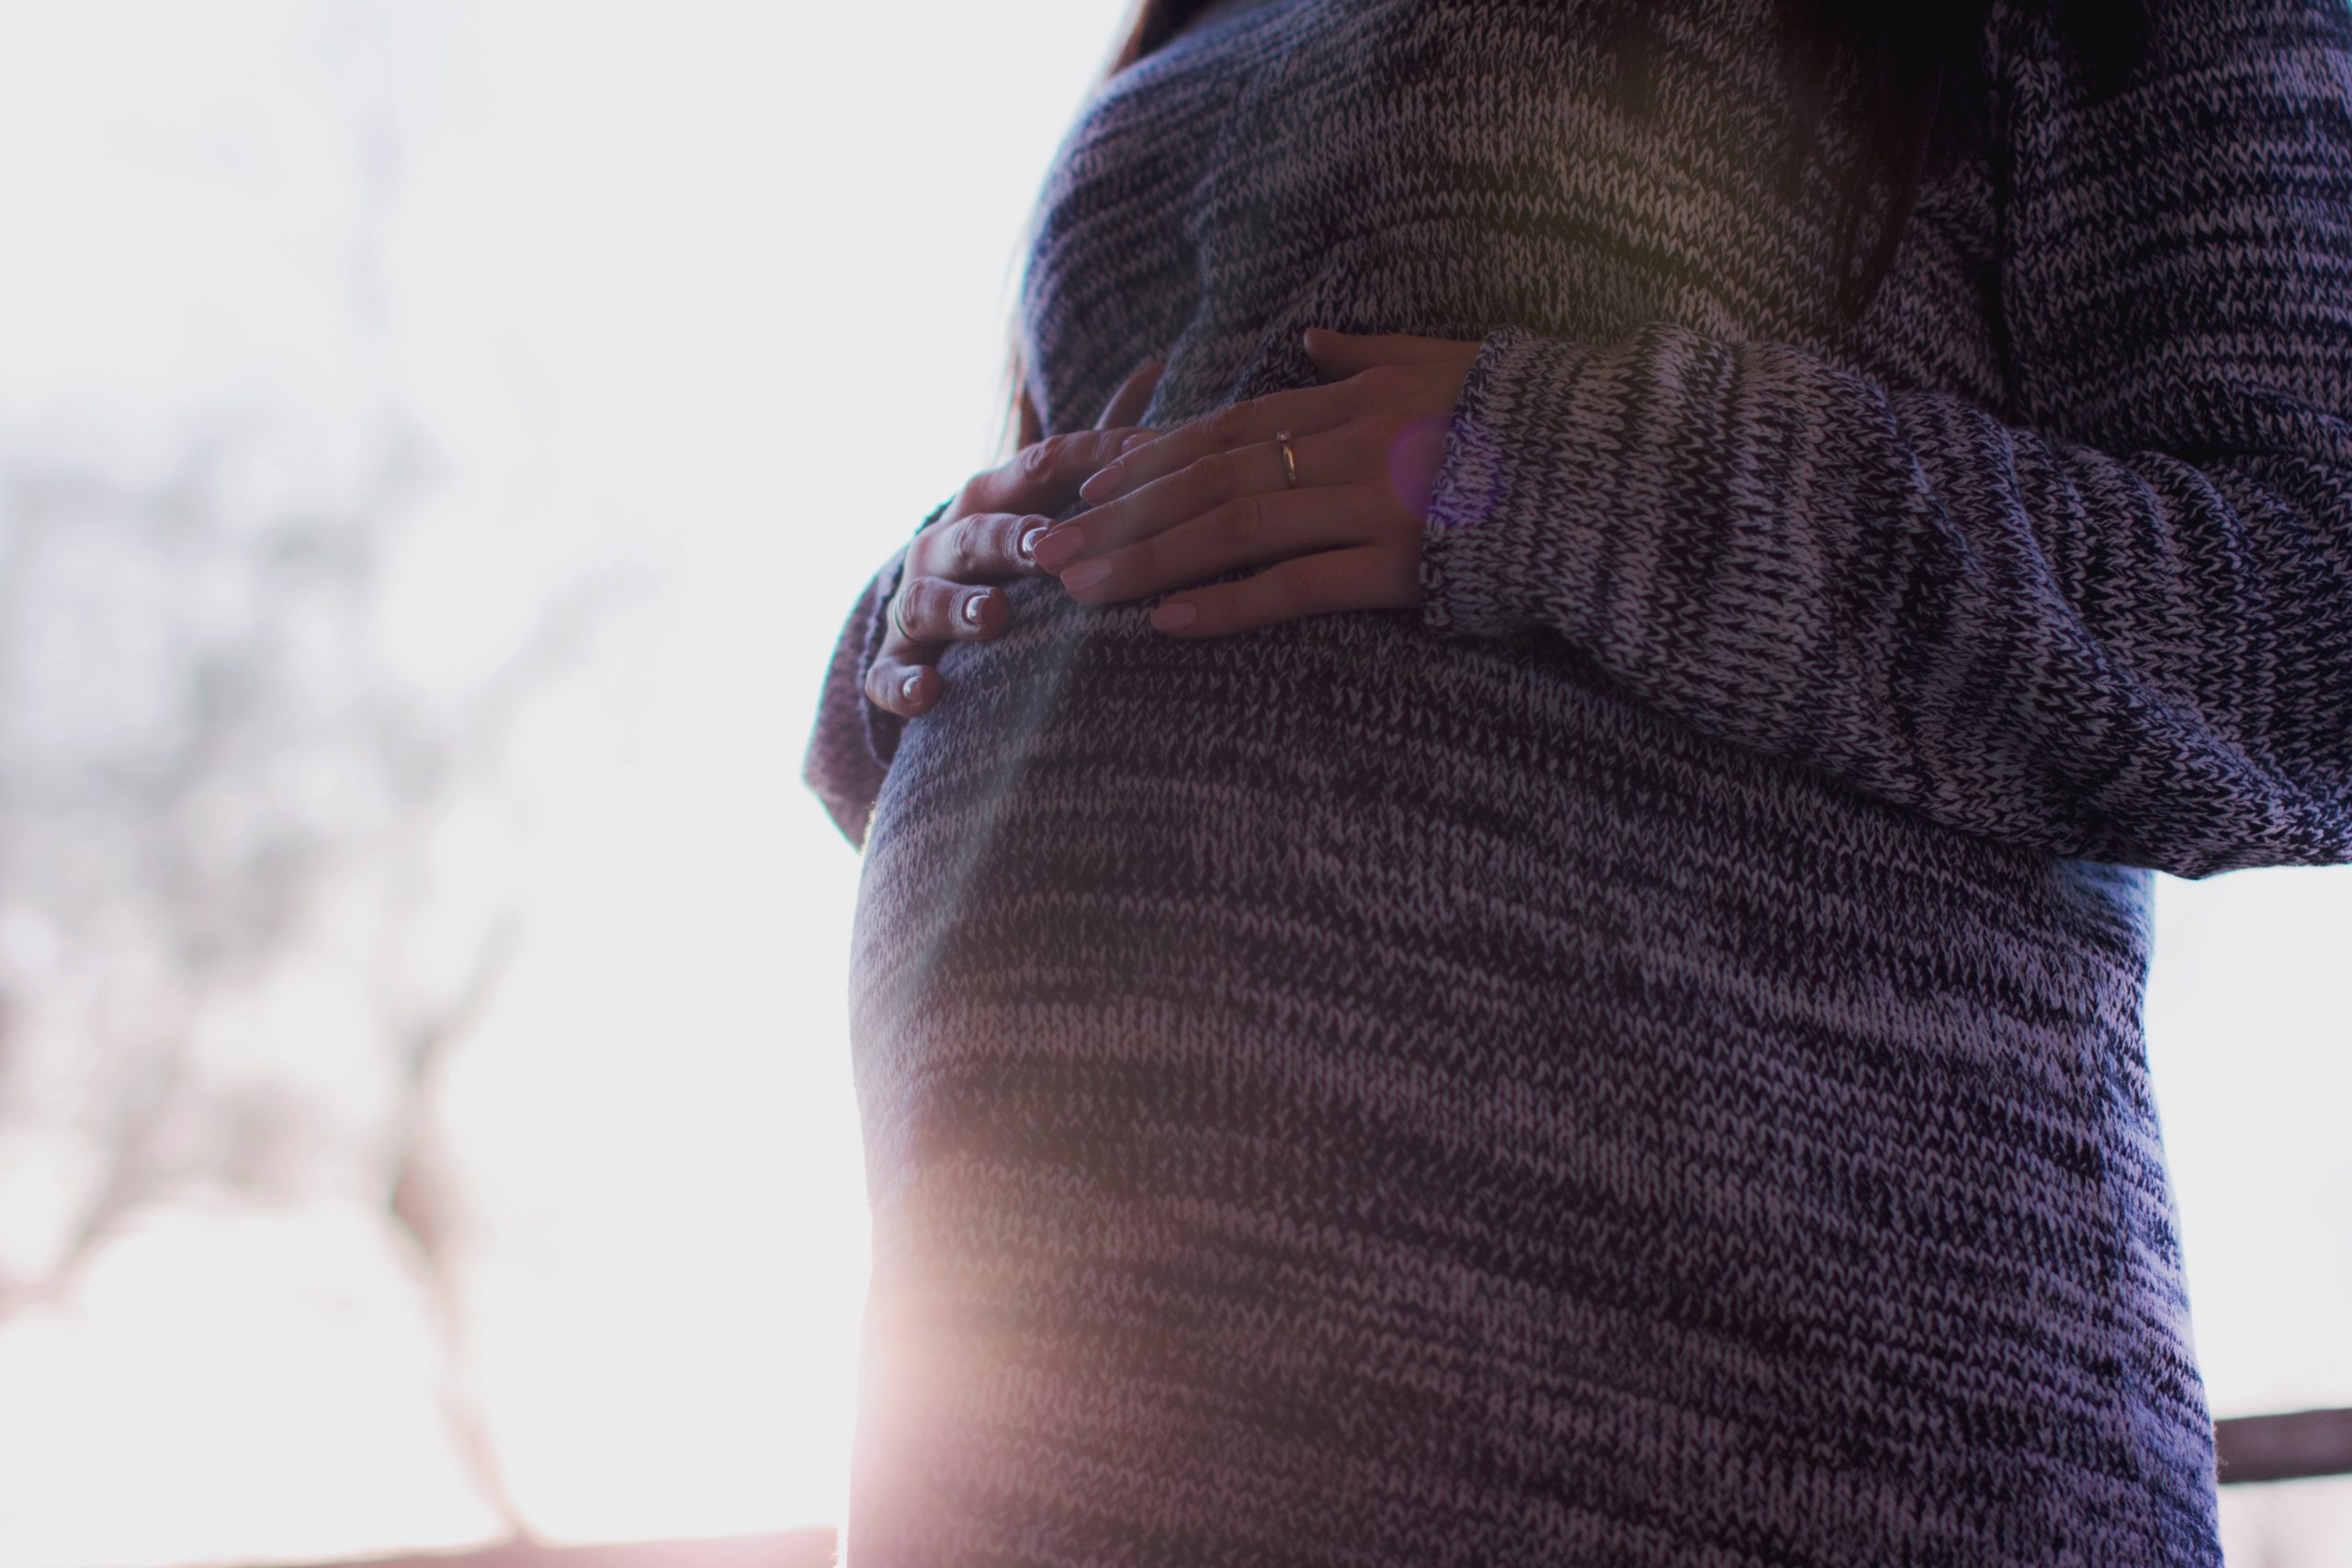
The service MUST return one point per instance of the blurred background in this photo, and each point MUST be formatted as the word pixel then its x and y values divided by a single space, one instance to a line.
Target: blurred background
pixel 439 443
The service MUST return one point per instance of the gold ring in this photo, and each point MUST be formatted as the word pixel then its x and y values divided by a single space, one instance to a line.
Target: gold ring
pixel 1290 458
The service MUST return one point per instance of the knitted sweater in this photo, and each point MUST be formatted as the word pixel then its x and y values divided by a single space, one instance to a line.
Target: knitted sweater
pixel 1636 1059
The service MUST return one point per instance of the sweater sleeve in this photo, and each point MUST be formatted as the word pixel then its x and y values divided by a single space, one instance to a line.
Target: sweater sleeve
pixel 851 747
pixel 2120 629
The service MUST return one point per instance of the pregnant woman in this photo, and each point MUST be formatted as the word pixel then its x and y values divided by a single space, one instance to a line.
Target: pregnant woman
pixel 1585 1008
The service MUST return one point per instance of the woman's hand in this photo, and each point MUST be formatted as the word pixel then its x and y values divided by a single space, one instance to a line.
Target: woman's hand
pixel 1213 495
pixel 986 536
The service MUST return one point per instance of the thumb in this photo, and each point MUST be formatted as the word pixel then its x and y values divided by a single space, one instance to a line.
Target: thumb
pixel 1134 395
pixel 1345 354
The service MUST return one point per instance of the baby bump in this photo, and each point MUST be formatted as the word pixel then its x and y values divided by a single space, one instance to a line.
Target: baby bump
pixel 1342 862
pixel 1159 999
pixel 1291 1052
pixel 1126 896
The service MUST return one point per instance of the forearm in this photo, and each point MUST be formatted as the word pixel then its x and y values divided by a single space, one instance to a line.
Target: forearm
pixel 2125 659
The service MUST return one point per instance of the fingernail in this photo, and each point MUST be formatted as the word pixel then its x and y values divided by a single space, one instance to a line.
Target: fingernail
pixel 1028 546
pixel 972 607
pixel 1086 574
pixel 1132 442
pixel 908 687
pixel 1104 481
pixel 1058 546
pixel 1175 617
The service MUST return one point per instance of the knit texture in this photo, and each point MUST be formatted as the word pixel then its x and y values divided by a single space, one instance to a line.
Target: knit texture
pixel 1637 1059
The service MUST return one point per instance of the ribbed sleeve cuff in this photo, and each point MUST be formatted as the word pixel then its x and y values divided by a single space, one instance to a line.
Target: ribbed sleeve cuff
pixel 1512 533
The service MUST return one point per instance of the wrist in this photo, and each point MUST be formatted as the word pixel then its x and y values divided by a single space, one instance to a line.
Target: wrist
pixel 1471 573
pixel 1539 492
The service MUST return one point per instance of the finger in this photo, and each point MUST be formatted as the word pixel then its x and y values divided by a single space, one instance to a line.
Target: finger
pixel 1363 577
pixel 982 547
pixel 1134 395
pixel 932 610
pixel 1249 530
pixel 1351 353
pixel 1300 410
pixel 1346 455
pixel 901 686
pixel 1045 474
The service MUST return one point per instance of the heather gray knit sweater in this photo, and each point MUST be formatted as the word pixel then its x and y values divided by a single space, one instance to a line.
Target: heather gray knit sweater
pixel 1637 1060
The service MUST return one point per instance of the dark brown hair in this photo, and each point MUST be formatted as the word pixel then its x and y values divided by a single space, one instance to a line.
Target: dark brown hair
pixel 1924 90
